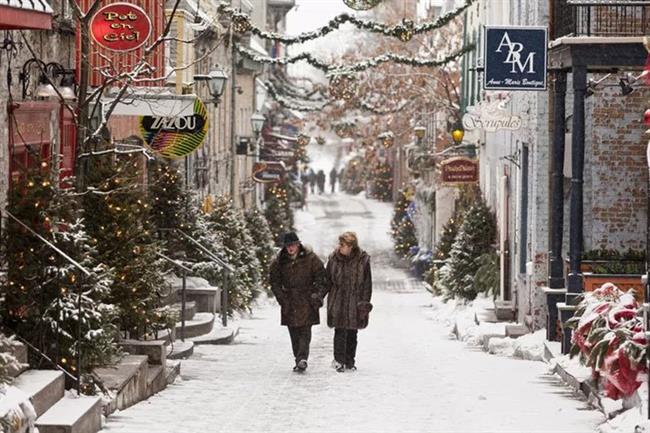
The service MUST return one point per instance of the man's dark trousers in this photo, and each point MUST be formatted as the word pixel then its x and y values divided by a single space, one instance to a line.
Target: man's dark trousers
pixel 345 346
pixel 300 339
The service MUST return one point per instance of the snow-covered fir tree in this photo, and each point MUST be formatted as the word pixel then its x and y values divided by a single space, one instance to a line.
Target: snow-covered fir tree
pixel 277 210
pixel 118 218
pixel 261 233
pixel 239 249
pixel 475 238
pixel 8 362
pixel 402 228
pixel 46 290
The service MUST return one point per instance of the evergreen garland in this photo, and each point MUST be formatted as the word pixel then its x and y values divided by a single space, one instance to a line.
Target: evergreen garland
pixel 356 67
pixel 397 31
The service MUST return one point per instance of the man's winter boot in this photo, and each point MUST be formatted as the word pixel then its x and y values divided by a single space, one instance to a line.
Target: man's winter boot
pixel 302 365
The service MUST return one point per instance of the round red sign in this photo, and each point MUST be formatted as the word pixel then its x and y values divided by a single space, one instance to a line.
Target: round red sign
pixel 120 27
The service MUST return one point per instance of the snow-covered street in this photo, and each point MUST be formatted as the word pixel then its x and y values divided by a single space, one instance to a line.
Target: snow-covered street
pixel 412 377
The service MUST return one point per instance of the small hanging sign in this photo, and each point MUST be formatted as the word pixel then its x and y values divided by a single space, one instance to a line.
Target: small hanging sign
pixel 120 27
pixel 459 170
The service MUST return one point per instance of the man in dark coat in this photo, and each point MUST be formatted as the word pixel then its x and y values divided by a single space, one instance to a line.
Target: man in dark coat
pixel 333 176
pixel 348 298
pixel 297 279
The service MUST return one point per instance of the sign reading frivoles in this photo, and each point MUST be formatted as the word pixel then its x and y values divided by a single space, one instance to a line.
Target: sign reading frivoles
pixel 175 137
pixel 515 58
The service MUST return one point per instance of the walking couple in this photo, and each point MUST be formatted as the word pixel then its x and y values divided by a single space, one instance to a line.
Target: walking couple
pixel 300 282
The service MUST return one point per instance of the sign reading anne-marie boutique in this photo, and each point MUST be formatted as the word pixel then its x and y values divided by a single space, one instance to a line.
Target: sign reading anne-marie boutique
pixel 515 58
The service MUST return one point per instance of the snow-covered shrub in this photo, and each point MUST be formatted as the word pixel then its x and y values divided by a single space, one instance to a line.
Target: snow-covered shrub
pixel 8 361
pixel 608 336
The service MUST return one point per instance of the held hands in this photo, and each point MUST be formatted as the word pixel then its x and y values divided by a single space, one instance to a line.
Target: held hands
pixel 316 301
pixel 364 307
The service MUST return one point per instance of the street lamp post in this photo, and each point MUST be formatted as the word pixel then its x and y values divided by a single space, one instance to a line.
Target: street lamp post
pixel 257 123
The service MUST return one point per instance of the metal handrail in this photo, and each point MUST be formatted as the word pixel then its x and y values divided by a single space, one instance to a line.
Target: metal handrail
pixel 79 308
pixel 215 259
pixel 184 270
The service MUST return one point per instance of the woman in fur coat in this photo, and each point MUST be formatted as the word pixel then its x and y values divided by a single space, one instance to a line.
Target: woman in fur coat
pixel 348 300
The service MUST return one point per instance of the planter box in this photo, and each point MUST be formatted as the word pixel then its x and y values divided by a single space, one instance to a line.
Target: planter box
pixel 624 282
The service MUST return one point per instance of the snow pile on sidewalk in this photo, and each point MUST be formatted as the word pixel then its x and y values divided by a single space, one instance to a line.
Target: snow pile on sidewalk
pixel 634 420
pixel 16 410
pixel 529 346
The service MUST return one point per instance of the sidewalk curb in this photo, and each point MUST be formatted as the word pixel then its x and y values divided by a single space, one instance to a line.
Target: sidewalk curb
pixel 586 388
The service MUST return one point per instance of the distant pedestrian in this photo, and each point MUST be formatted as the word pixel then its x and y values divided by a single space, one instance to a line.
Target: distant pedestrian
pixel 297 280
pixel 320 180
pixel 312 180
pixel 333 176
pixel 348 298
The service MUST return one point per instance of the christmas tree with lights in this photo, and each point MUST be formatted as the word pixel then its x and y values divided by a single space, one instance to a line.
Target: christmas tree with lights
pixel 239 250
pixel 119 219
pixel 277 211
pixel 264 244
pixel 47 295
pixel 381 176
pixel 475 237
pixel 402 228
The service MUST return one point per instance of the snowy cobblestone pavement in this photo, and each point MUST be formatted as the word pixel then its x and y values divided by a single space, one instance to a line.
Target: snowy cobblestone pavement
pixel 411 377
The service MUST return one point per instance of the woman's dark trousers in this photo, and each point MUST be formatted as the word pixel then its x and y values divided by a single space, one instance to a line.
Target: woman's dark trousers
pixel 345 346
pixel 300 339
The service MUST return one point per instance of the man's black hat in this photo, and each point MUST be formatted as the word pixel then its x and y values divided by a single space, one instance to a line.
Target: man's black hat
pixel 289 238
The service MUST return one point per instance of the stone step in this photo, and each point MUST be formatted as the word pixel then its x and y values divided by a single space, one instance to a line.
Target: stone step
pixel 172 371
pixel 505 311
pixel 180 349
pixel 218 335
pixel 72 415
pixel 200 325
pixel 126 380
pixel 156 379
pixel 156 350
pixel 485 316
pixel 207 299
pixel 44 388
pixel 516 330
pixel 190 309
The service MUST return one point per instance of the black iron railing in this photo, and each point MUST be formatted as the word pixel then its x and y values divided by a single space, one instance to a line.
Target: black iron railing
pixel 599 18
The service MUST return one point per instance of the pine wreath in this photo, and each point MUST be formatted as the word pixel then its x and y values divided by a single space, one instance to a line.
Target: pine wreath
pixel 361 5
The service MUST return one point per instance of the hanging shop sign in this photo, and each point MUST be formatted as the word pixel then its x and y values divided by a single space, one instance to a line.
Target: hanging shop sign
pixel 120 27
pixel 515 58
pixel 176 137
pixel 268 171
pixel 491 116
pixel 459 170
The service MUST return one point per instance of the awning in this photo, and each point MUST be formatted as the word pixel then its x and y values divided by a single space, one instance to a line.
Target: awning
pixel 25 15
pixel 148 103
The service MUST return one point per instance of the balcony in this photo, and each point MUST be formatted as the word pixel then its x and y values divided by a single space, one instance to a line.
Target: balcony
pixel 601 18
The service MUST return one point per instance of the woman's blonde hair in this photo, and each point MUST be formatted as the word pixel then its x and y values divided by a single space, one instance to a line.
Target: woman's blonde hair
pixel 349 238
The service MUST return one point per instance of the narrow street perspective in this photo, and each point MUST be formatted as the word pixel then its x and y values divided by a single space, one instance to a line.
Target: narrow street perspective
pixel 411 377
pixel 324 216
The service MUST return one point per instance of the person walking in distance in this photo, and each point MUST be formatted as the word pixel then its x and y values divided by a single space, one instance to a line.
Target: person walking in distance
pixel 320 181
pixel 348 298
pixel 297 279
pixel 333 176
pixel 312 180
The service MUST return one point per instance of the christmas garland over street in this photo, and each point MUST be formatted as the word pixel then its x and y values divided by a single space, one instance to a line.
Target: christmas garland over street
pixel 356 67
pixel 399 30
pixel 285 102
